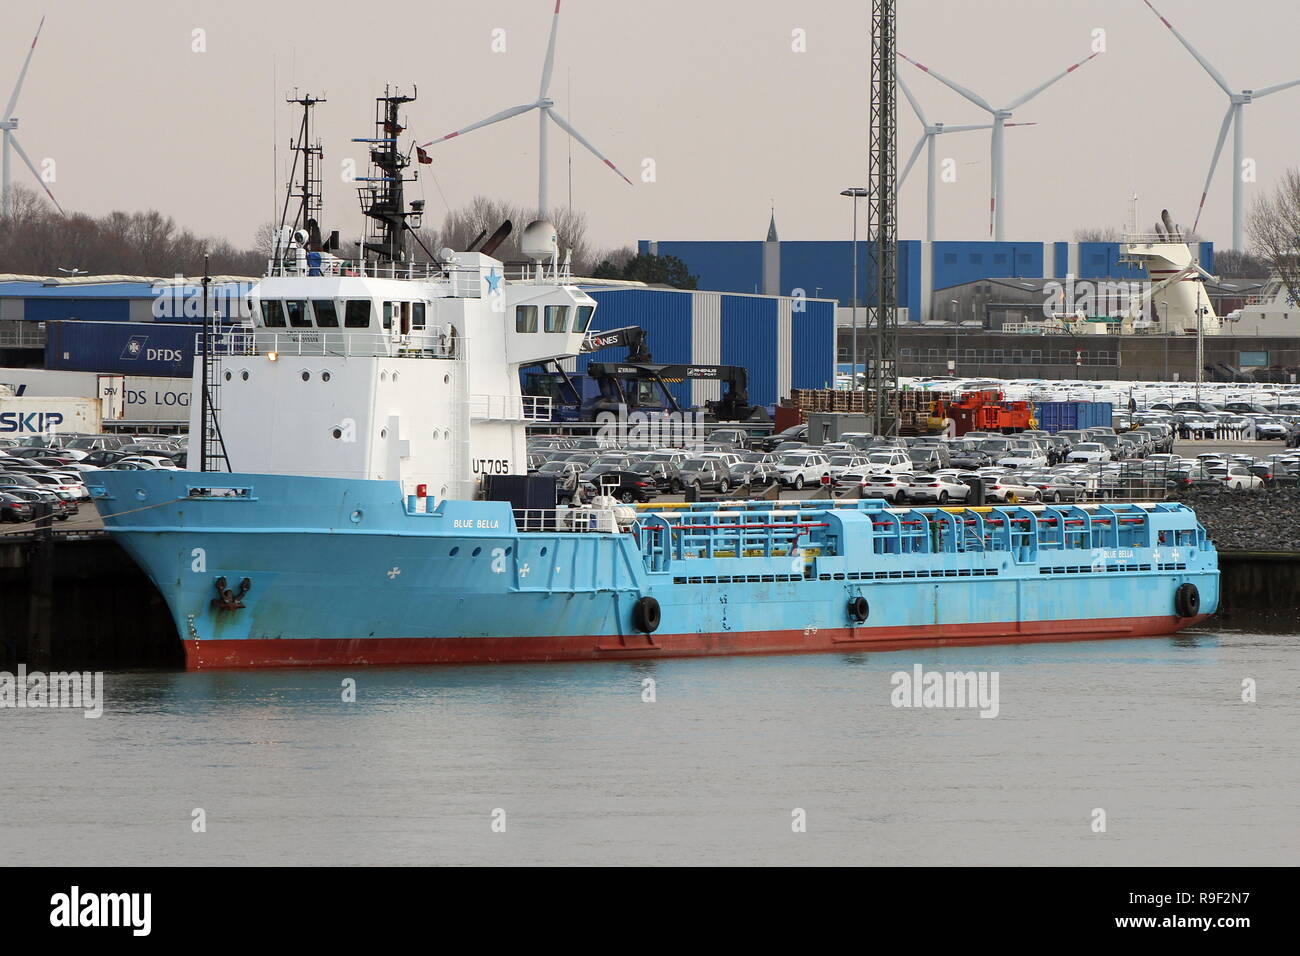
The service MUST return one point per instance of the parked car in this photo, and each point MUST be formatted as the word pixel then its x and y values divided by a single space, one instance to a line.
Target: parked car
pixel 705 474
pixel 626 486
pixel 666 476
pixel 14 508
pixel 799 469
pixel 754 473
pixel 938 488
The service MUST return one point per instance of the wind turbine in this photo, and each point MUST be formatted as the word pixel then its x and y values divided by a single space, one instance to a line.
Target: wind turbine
pixel 9 123
pixel 929 132
pixel 1000 116
pixel 546 113
pixel 1233 117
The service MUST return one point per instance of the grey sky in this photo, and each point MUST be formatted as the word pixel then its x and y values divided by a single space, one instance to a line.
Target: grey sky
pixel 710 89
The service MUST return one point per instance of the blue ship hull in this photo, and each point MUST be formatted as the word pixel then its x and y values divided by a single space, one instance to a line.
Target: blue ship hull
pixel 289 571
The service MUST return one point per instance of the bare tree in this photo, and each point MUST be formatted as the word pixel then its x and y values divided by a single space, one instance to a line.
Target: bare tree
pixel 1104 234
pixel 483 215
pixel 1239 264
pixel 1273 225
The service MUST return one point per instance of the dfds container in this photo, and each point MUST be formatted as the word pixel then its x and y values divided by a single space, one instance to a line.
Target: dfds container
pixel 124 348
pixel 1056 417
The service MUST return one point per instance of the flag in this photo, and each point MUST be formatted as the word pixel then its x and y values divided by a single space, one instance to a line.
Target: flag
pixel 392 129
pixel 422 156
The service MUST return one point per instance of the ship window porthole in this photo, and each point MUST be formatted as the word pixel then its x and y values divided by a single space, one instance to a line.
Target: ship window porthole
pixel 476 552
pixel 443 493
pixel 453 552
pixel 446 380
pixel 356 516
pixel 383 376
pixel 229 376
pixel 337 432
pixel 383 433
pixel 244 375
pixel 324 376
pixel 543 552
pixel 436 436
pixel 394 376
pixel 508 550
pixel 306 376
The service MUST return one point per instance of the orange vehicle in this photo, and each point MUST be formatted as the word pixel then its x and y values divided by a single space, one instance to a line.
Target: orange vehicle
pixel 986 411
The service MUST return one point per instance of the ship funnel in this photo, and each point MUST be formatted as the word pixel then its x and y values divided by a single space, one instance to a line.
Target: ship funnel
pixel 498 237
pixel 540 241
pixel 1169 223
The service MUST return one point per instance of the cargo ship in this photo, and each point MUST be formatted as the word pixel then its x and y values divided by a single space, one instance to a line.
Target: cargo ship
pixel 334 510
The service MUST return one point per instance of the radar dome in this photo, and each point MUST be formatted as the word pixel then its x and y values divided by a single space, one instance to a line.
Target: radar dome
pixel 539 241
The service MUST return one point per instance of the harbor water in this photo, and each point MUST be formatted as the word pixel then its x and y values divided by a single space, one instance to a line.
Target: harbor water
pixel 765 760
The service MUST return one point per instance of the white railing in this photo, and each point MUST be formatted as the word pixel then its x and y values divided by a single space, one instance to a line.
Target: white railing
pixel 601 520
pixel 510 408
pixel 433 342
pixel 458 283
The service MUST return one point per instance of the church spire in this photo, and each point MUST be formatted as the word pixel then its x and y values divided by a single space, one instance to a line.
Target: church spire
pixel 771 227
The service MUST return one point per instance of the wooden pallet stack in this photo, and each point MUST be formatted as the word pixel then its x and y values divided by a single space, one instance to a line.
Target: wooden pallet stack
pixel 910 407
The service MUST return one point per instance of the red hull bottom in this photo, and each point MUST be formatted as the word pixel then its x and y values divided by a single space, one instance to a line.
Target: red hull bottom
pixel 309 652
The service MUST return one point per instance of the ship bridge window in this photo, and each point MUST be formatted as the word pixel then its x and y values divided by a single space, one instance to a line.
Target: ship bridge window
pixel 356 314
pixel 297 311
pixel 388 315
pixel 557 318
pixel 585 312
pixel 417 315
pixel 525 318
pixel 327 313
pixel 273 315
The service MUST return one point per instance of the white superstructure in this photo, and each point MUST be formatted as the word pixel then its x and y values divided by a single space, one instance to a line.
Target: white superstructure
pixel 408 375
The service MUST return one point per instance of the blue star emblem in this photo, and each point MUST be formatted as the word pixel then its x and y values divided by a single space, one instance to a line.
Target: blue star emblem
pixel 493 280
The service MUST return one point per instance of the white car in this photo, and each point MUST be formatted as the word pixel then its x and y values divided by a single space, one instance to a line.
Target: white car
pixel 1239 478
pixel 894 462
pixel 1023 458
pixel 1088 452
pixel 154 461
pixel 727 457
pixel 840 464
pixel 802 468
pixel 1007 489
pixel 888 485
pixel 940 488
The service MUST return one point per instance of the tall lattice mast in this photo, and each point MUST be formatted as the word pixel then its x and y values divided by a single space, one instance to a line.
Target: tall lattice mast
pixel 882 224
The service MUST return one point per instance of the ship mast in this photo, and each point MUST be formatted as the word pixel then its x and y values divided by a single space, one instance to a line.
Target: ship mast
pixel 382 193
pixel 307 148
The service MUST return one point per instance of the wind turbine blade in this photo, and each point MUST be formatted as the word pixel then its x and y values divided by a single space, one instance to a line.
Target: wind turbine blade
pixel 550 53
pixel 920 145
pixel 22 75
pixel 1021 101
pixel 916 107
pixel 1273 89
pixel 973 97
pixel 13 141
pixel 1218 148
pixel 1215 74
pixel 561 122
pixel 494 118
pixel 967 129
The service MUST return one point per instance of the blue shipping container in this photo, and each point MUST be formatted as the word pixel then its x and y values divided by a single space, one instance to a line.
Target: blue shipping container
pixel 1055 417
pixel 121 348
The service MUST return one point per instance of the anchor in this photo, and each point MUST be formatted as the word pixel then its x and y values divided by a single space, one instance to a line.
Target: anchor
pixel 228 599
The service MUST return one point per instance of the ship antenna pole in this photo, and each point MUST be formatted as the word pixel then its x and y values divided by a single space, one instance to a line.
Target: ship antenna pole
pixel 207 347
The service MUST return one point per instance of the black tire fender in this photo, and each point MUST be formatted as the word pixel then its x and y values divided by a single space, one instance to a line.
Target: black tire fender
pixel 646 615
pixel 859 609
pixel 1187 600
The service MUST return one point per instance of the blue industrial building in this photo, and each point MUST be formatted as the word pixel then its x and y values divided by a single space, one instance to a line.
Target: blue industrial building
pixel 825 269
pixel 784 341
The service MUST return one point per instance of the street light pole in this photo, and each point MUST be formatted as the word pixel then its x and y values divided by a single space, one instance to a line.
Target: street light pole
pixel 855 193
